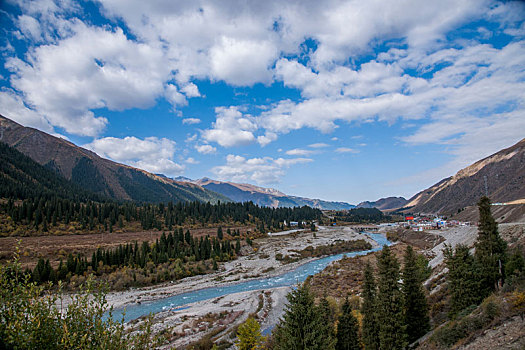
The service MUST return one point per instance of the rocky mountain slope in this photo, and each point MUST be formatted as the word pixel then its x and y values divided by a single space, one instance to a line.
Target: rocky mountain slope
pixel 388 203
pixel 504 176
pixel 96 174
pixel 266 196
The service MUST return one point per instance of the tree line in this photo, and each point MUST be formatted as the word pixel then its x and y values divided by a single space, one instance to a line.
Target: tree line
pixel 175 245
pixel 361 215
pixel 41 213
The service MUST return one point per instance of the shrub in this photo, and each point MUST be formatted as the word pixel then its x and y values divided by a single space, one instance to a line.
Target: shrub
pixel 30 319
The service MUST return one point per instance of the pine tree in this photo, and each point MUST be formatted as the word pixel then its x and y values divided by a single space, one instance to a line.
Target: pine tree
pixel 490 250
pixel 220 235
pixel 249 335
pixel 347 330
pixel 415 303
pixel 370 327
pixel 301 326
pixel 462 278
pixel 326 325
pixel 389 303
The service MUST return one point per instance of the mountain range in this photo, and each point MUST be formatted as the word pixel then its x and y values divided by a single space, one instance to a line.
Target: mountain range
pixel 264 196
pixel 388 203
pixel 501 176
pixel 98 175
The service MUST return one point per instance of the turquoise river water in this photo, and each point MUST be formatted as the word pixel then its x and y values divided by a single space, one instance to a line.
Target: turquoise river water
pixel 298 275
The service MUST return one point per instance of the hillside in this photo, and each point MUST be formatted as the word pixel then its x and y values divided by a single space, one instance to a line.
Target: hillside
pixel 388 203
pixel 266 196
pixel 23 178
pixel 504 176
pixel 96 174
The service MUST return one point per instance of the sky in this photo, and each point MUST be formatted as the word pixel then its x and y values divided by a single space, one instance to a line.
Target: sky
pixel 338 100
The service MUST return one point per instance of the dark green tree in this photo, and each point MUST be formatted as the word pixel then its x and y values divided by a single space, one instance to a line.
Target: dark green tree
pixel 490 251
pixel 327 320
pixel 392 330
pixel 301 326
pixel 415 303
pixel 220 235
pixel 515 263
pixel 462 278
pixel 347 330
pixel 370 327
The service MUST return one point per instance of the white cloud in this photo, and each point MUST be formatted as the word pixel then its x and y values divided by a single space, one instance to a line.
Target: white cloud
pixel 263 171
pixel 265 139
pixel 242 62
pixel 205 149
pixel 191 138
pixel 152 154
pixel 174 96
pixel 12 107
pixel 30 27
pixel 346 150
pixel 231 128
pixel 94 68
pixel 320 144
pixel 299 152
pixel 191 121
pixel 78 68
pixel 191 90
pixel 191 160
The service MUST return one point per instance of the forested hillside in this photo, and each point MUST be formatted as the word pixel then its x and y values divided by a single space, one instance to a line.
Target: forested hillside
pixel 96 174
pixel 23 178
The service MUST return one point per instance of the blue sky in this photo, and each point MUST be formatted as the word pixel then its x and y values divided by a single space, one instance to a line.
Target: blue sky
pixel 339 100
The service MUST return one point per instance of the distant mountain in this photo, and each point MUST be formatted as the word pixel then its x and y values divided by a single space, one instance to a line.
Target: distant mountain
pixel 96 174
pixel 384 203
pixel 266 196
pixel 504 176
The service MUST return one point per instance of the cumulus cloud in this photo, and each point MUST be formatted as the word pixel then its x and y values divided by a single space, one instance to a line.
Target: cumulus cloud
pixel 94 68
pixel 299 152
pixel 205 149
pixel 242 62
pixel 77 69
pixel 191 121
pixel 152 154
pixel 263 171
pixel 231 128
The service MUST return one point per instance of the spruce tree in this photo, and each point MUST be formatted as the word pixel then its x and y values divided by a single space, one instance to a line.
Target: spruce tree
pixel 415 303
pixel 301 326
pixel 327 320
pixel 490 250
pixel 462 278
pixel 389 303
pixel 370 327
pixel 347 330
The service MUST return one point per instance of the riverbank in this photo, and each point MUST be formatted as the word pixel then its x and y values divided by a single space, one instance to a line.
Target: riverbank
pixel 261 262
pixel 215 318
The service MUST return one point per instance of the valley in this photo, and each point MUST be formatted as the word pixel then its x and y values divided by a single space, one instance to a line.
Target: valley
pixel 192 261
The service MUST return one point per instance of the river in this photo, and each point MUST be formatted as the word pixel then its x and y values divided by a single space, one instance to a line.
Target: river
pixel 290 278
